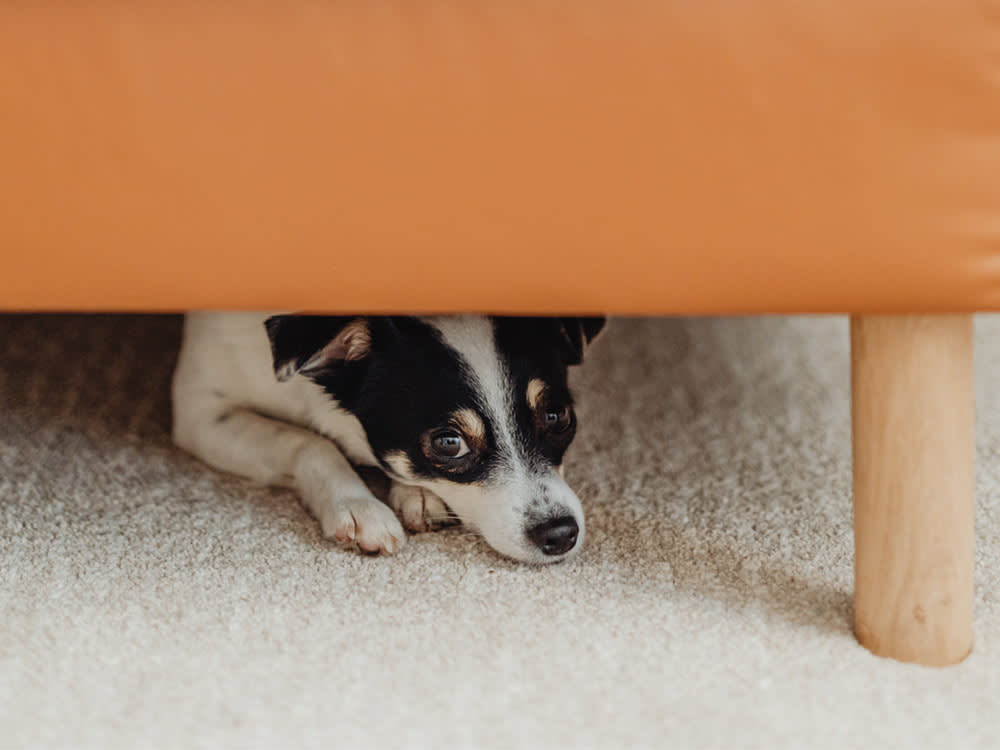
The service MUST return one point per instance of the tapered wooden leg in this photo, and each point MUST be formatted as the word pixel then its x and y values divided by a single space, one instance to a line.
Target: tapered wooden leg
pixel 914 457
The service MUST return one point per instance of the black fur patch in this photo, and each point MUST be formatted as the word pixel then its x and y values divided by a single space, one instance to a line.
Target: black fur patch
pixel 410 383
pixel 535 348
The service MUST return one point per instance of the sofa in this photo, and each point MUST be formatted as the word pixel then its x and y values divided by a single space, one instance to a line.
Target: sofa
pixel 626 158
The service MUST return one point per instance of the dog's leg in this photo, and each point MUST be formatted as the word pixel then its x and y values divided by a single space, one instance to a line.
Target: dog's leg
pixel 276 453
pixel 420 509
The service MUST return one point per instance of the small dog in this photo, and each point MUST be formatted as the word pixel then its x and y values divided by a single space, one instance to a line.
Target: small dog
pixel 469 416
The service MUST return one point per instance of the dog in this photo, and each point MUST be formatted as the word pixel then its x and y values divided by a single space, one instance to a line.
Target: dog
pixel 468 416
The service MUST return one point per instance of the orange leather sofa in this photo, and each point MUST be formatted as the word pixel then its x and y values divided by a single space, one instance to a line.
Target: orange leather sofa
pixel 628 157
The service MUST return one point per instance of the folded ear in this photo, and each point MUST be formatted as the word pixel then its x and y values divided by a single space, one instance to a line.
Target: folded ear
pixel 578 333
pixel 306 344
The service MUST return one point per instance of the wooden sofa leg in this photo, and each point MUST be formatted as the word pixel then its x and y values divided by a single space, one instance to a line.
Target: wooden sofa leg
pixel 914 458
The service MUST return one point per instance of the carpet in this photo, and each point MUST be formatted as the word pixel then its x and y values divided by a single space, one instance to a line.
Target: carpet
pixel 147 601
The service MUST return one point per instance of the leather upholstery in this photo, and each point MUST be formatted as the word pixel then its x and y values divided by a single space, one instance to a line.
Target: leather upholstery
pixel 632 157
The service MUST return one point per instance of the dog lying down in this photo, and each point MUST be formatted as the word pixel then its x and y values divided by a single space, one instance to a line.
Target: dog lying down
pixel 468 416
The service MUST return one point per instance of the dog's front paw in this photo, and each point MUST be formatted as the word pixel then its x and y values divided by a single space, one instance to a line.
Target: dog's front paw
pixel 364 522
pixel 420 509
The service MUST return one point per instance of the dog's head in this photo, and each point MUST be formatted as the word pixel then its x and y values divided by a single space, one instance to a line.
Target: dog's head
pixel 476 409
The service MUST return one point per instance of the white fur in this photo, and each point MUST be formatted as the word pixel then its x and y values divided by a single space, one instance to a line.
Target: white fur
pixel 231 411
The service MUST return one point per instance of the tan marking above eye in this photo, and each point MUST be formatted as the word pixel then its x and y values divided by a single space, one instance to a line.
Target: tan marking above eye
pixel 472 427
pixel 536 388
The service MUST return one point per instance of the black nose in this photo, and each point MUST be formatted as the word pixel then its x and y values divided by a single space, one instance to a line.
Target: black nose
pixel 555 537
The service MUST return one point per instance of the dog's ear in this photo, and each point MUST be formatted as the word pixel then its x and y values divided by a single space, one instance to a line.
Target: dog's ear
pixel 307 344
pixel 577 334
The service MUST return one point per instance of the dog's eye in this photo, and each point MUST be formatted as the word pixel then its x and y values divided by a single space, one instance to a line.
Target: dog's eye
pixel 557 420
pixel 449 445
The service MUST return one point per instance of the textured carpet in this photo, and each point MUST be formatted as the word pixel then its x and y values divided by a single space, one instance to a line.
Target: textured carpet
pixel 146 601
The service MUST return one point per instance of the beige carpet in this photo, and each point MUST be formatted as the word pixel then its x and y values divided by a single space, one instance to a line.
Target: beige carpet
pixel 146 601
